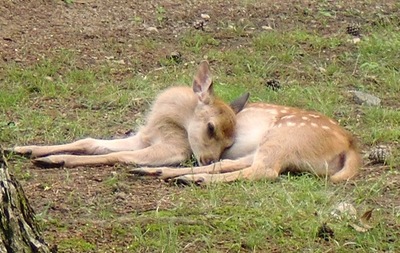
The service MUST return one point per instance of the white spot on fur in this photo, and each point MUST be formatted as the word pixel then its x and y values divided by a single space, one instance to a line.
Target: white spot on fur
pixel 314 125
pixel 290 124
pixel 279 125
pixel 314 115
pixel 271 111
pixel 288 117
pixel 304 118
pixel 333 122
pixel 301 124
pixel 283 111
pixel 325 127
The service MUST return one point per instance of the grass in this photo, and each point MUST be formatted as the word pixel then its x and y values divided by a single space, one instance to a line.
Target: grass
pixel 264 216
pixel 56 100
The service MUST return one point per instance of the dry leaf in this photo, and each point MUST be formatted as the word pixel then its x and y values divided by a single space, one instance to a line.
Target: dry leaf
pixel 364 220
pixel 367 215
pixel 364 226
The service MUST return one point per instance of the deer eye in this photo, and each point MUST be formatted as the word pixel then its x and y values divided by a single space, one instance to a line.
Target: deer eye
pixel 210 130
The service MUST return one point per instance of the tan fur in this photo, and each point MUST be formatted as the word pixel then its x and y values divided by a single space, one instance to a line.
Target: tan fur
pixel 271 139
pixel 177 126
pixel 260 141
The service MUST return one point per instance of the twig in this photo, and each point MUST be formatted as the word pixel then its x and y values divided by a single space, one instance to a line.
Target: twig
pixel 355 65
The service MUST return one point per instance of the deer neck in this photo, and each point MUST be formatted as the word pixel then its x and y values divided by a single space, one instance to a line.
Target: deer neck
pixel 174 106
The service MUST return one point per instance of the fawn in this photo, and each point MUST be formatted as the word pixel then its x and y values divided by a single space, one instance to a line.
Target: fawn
pixel 182 121
pixel 254 141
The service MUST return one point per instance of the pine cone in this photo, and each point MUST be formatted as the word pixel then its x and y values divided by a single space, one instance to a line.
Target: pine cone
pixel 325 232
pixel 380 154
pixel 273 84
pixel 175 57
pixel 354 30
pixel 199 25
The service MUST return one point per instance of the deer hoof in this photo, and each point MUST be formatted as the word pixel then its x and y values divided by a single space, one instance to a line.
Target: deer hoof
pixel 19 151
pixel 188 180
pixel 45 162
pixel 146 172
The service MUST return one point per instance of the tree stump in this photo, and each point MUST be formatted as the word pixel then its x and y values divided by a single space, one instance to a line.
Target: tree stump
pixel 18 229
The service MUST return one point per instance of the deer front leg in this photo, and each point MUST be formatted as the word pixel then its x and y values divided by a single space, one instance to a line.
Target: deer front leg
pixel 84 146
pixel 156 155
pixel 219 167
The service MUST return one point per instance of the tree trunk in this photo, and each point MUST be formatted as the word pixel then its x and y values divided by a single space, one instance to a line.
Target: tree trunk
pixel 18 229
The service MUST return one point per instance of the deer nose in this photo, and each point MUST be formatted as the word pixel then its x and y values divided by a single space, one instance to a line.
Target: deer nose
pixel 206 160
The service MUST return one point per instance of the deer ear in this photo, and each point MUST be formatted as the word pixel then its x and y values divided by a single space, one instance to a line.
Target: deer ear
pixel 238 104
pixel 202 83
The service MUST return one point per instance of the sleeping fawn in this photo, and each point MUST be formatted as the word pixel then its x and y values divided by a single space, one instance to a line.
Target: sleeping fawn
pixel 182 121
pixel 253 141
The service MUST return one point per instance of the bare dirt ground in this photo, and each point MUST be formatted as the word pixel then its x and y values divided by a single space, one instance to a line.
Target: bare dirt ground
pixel 97 30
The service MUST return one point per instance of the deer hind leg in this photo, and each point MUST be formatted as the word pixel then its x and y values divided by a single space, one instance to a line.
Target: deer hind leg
pixel 350 168
pixel 267 163
pixel 156 155
pixel 86 146
pixel 263 166
pixel 223 166
pixel 252 172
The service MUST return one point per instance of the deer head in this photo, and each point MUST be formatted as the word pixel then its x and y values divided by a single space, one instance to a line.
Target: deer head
pixel 212 128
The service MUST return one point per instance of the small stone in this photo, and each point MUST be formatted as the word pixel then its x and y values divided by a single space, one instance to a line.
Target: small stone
pixel 266 27
pixel 205 16
pixel 356 40
pixel 122 62
pixel 365 98
pixel 151 29
pixel 344 209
